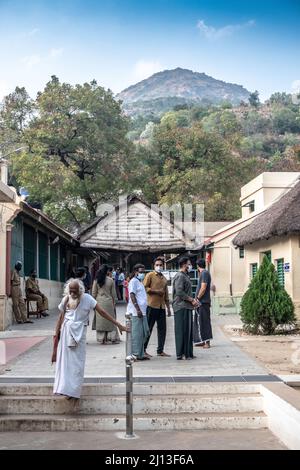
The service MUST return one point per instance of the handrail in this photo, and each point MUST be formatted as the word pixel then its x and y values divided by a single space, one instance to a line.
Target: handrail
pixel 129 360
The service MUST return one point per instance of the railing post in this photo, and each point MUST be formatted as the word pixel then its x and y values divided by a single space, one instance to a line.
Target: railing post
pixel 130 358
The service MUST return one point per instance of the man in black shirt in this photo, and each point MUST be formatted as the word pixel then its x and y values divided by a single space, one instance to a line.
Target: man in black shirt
pixel 202 323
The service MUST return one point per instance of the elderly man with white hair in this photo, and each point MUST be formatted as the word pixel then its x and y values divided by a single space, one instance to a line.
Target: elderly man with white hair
pixel 71 328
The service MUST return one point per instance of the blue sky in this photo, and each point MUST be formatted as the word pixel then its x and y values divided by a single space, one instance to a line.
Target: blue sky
pixel 119 42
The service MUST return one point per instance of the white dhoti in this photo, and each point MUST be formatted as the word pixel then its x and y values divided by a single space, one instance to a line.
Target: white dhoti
pixel 71 351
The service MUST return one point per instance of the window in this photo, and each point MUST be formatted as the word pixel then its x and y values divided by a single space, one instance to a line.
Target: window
pixel 54 262
pixel 242 252
pixel 268 254
pixel 80 261
pixel 252 206
pixel 253 269
pixel 280 270
pixel 43 256
pixel 29 240
pixel 74 261
pixel 16 242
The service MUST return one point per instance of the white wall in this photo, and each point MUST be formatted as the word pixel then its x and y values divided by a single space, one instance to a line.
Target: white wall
pixel 52 289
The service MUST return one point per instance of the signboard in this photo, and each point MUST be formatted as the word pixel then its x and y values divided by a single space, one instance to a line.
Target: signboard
pixel 287 267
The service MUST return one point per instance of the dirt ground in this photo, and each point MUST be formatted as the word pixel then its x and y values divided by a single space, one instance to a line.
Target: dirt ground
pixel 279 353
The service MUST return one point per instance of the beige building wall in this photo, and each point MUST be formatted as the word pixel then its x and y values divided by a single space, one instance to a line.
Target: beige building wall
pixel 227 269
pixel 52 289
pixel 7 210
pixel 280 247
pixel 226 265
pixel 295 242
pixel 265 189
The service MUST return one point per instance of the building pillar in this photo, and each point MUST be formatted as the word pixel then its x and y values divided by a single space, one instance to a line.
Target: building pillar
pixel 37 254
pixel 49 259
pixel 8 259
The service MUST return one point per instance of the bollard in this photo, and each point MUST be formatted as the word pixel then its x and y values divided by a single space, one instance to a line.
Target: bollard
pixel 130 358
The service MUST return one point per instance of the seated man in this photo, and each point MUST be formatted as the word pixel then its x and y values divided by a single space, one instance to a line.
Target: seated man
pixel 33 293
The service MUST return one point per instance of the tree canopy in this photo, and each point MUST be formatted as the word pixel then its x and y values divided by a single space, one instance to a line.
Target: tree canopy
pixel 76 149
pixel 75 142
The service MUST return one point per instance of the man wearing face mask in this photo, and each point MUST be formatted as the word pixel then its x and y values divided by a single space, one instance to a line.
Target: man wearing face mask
pixel 156 286
pixel 19 307
pixel 137 307
pixel 33 293
pixel 183 305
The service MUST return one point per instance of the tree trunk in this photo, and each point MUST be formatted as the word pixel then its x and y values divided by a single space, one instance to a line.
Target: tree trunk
pixel 90 205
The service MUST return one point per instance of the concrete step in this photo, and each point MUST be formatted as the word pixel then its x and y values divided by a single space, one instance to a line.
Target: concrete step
pixel 164 422
pixel 150 388
pixel 114 404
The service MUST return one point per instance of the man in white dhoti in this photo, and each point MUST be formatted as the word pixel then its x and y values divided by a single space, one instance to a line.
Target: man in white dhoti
pixel 75 308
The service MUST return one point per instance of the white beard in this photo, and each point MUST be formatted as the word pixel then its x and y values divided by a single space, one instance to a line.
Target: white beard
pixel 73 302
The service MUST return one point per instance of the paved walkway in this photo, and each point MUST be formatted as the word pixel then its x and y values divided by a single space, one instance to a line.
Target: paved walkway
pixel 223 359
pixel 242 439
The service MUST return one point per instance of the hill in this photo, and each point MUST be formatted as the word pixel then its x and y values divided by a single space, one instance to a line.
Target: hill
pixel 164 90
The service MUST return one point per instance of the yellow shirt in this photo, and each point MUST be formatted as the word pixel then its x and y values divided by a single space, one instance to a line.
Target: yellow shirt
pixel 15 278
pixel 152 282
pixel 33 285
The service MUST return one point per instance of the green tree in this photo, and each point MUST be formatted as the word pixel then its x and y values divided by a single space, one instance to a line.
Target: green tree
pixel 286 120
pixel 266 304
pixel 281 98
pixel 225 123
pixel 254 99
pixel 16 113
pixel 78 151
pixel 198 167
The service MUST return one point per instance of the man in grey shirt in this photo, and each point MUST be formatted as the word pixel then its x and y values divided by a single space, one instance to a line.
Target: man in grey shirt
pixel 183 305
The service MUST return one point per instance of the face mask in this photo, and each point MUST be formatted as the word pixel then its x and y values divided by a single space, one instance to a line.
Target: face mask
pixel 159 269
pixel 33 276
pixel 190 268
pixel 140 276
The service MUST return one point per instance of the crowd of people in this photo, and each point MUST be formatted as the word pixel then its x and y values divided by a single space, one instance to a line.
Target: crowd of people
pixel 148 304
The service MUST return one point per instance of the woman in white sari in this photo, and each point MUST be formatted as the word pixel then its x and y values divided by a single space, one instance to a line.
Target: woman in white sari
pixel 75 308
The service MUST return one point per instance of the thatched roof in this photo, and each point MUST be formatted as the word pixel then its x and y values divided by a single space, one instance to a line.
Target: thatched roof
pixel 281 218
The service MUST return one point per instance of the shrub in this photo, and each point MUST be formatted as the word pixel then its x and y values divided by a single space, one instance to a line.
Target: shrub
pixel 266 304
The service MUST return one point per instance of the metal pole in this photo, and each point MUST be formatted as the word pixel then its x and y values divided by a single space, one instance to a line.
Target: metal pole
pixel 130 358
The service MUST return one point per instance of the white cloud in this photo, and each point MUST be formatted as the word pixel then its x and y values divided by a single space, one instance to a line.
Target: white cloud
pixel 28 34
pixel 33 32
pixel 212 33
pixel 54 53
pixel 31 60
pixel 144 68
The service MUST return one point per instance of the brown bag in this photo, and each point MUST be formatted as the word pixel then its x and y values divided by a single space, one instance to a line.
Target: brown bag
pixel 56 337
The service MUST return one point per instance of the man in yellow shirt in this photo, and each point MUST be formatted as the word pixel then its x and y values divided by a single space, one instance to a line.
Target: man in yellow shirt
pixel 19 307
pixel 33 293
pixel 156 286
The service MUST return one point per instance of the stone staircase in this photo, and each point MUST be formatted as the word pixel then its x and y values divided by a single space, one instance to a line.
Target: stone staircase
pixel 157 406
